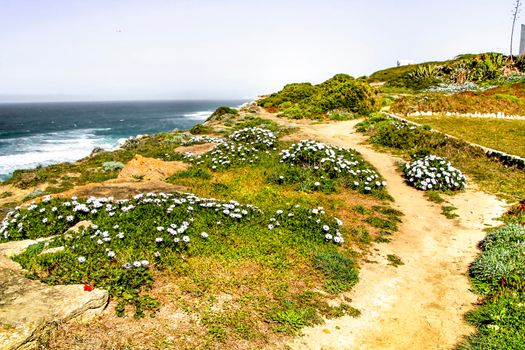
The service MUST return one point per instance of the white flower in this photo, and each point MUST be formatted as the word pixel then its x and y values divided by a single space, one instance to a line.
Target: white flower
pixel 204 235
pixel 160 228
pixel 144 263
pixel 44 220
pixel 186 239
pixel 111 254
pixel 326 228
pixel 157 254
pixel 137 264
pixel 317 183
pixel 328 237
pixel 159 239
pixel 176 239
pixel 81 259
pixel 270 227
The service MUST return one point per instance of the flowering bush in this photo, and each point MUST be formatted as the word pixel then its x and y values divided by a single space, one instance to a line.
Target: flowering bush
pixel 327 162
pixel 243 146
pixel 202 139
pixel 434 173
pixel 125 240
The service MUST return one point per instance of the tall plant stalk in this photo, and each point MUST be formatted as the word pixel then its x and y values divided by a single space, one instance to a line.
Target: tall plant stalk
pixel 515 14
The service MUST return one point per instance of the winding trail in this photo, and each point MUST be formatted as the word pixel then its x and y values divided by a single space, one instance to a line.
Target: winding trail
pixel 419 305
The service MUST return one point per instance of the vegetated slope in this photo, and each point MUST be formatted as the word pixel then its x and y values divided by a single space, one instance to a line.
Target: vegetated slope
pixel 481 69
pixel 341 95
pixel 249 277
pixel 508 98
pixel 503 135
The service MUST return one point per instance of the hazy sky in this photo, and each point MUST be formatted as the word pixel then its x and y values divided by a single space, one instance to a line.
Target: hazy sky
pixel 154 49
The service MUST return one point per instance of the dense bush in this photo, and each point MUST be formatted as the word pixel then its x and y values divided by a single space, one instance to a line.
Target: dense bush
pixel 221 111
pixel 505 236
pixel 290 94
pixel 434 173
pixel 199 129
pixel 341 92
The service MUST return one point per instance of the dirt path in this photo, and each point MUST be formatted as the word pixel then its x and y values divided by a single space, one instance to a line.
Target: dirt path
pixel 419 305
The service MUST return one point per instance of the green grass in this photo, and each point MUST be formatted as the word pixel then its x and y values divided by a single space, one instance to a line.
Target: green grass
pixel 490 175
pixel 503 135
pixel 394 260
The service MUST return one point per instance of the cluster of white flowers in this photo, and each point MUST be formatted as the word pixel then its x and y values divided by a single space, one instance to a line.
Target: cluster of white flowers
pixel 434 173
pixel 243 146
pixel 316 218
pixel 202 139
pixel 332 162
pixel 256 137
pixel 457 88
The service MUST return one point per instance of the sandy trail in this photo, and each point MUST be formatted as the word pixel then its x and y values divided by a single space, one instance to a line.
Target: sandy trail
pixel 419 305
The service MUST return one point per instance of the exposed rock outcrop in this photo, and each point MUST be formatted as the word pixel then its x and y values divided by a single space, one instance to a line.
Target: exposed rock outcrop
pixel 29 308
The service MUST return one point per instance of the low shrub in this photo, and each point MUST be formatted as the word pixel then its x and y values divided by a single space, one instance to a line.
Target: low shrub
pixel 199 129
pixel 222 111
pixel 112 166
pixel 434 173
pixel 324 162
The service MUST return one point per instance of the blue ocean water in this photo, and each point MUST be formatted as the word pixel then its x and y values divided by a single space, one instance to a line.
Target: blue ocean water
pixel 33 134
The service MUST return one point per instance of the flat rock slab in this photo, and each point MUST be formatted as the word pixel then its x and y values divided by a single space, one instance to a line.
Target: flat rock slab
pixel 29 308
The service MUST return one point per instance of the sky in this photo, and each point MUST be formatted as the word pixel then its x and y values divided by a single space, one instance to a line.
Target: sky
pixel 203 49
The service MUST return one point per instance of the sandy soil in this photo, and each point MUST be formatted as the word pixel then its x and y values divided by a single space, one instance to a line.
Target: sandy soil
pixel 419 305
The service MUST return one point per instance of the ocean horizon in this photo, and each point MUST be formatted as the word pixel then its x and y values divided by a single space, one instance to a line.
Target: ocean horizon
pixel 44 133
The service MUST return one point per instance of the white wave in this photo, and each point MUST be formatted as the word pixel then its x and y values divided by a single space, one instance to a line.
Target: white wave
pixel 49 148
pixel 201 115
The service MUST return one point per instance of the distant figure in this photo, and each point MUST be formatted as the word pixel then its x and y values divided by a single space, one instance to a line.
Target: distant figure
pixel 405 62
pixel 522 42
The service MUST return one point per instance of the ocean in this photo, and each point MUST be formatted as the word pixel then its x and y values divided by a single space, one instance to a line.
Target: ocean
pixel 33 134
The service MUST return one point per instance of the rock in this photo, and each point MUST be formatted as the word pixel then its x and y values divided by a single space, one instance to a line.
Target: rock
pixel 29 308
pixel 97 150
pixel 142 168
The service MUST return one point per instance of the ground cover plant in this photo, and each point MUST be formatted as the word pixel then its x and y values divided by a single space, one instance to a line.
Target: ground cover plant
pixel 341 96
pixel 409 140
pixel 315 165
pixel 245 145
pixel 503 135
pixel 274 280
pixel 434 173
pixel 498 274
pixel 508 98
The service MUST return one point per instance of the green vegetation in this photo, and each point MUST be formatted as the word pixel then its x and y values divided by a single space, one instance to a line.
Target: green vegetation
pixel 503 135
pixel 272 258
pixel 498 274
pixel 222 111
pixel 508 98
pixel 409 141
pixel 482 69
pixel 394 260
pixel 338 97
pixel 199 129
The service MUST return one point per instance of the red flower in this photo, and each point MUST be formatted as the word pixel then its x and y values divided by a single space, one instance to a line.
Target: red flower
pixel 88 288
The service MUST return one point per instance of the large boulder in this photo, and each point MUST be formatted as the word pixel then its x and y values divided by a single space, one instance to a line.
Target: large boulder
pixel 29 308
